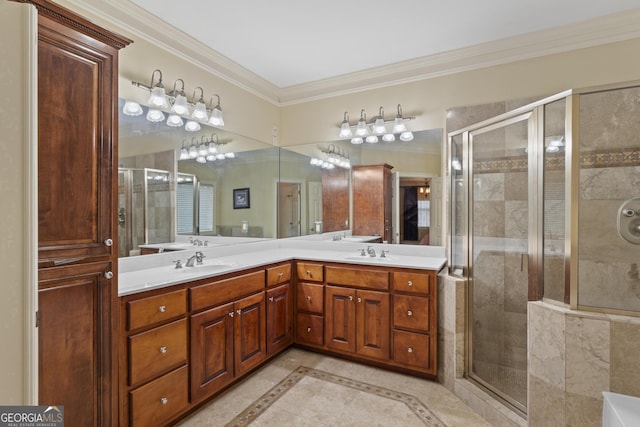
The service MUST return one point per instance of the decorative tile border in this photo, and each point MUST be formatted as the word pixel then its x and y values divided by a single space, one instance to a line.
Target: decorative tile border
pixel 253 411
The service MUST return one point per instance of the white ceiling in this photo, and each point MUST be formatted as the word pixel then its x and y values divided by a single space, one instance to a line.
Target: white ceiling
pixel 294 42
pixel 292 51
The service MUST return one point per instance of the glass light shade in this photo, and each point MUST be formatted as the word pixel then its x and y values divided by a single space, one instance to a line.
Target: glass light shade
pixel 132 108
pixel 180 106
pixel 216 118
pixel 203 150
pixel 378 127
pixel 230 155
pixel 201 159
pixel 154 115
pixel 158 98
pixel 184 154
pixel 398 125
pixel 357 140
pixel 388 137
pixel 406 136
pixel 192 126
pixel 193 152
pixel 220 156
pixel 174 120
pixel 212 148
pixel 362 129
pixel 372 139
pixel 200 112
pixel 211 157
pixel 345 130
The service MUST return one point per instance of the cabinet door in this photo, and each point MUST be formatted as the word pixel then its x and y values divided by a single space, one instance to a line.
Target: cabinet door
pixel 340 319
pixel 373 326
pixel 211 350
pixel 279 312
pixel 72 356
pixel 250 333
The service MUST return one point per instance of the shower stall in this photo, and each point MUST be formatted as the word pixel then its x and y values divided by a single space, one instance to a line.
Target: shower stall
pixel 537 198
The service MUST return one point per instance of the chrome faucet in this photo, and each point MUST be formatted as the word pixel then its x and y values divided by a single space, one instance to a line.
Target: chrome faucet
pixel 195 242
pixel 195 258
pixel 371 251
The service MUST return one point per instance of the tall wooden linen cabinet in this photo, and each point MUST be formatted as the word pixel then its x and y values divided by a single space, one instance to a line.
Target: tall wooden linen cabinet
pixel 77 196
pixel 372 205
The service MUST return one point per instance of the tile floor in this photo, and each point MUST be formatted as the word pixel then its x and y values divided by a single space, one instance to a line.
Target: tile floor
pixel 300 388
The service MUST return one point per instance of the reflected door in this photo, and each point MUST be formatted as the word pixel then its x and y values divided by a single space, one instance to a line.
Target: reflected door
pixel 499 210
pixel 288 209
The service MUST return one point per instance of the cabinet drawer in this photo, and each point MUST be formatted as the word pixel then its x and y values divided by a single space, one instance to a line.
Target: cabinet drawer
pixel 155 403
pixel 278 274
pixel 411 312
pixel 309 329
pixel 358 277
pixel 157 350
pixel 411 349
pixel 156 309
pixel 418 283
pixel 223 291
pixel 310 297
pixel 309 271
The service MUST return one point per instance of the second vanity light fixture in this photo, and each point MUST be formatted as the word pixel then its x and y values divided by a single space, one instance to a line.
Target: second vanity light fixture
pixel 333 157
pixel 377 128
pixel 176 105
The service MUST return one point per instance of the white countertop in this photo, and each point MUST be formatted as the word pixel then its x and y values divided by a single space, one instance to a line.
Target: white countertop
pixel 141 273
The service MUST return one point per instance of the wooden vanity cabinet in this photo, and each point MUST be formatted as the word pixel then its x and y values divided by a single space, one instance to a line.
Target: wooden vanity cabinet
pixel 309 307
pixel 228 331
pixel 279 308
pixel 77 71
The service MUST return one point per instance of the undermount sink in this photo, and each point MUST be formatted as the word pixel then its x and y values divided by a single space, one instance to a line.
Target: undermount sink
pixel 367 258
pixel 205 268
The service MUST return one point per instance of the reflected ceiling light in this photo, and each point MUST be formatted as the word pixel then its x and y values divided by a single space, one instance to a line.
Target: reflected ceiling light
pixel 333 157
pixel 132 108
pixel 371 139
pixel 184 153
pixel 192 126
pixel 154 115
pixel 174 120
pixel 379 127
pixel 211 157
pixel 406 136
pixel 180 104
pixel 206 149
pixel 345 127
pixel 555 144
pixel 357 140
pixel 362 129
pixel 201 159
pixel 388 137
pixel 398 122
pixel 216 114
pixel 193 151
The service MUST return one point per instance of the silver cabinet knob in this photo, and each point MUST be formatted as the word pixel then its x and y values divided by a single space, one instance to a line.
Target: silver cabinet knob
pixel 108 242
pixel 309 329
pixel 280 274
pixel 409 350
pixel 162 308
pixel 308 297
pixel 350 298
pixel 359 299
pixel 308 273
pixel 409 283
pixel 108 275
pixel 239 312
pixel 164 400
pixel 270 299
pixel 409 313
pixel 231 314
pixel 163 349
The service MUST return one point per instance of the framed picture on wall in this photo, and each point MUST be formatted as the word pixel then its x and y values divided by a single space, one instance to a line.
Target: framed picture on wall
pixel 241 198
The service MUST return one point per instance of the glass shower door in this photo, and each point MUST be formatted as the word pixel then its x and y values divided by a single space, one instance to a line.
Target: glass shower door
pixel 498 253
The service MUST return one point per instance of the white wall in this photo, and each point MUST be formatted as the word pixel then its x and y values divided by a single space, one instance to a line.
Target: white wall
pixel 17 243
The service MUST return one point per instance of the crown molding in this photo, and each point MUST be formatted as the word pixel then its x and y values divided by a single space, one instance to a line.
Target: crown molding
pixel 138 22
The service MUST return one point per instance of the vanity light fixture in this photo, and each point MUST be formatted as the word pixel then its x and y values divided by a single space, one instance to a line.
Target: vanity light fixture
pixel 377 128
pixel 177 105
pixel 154 115
pixel 205 149
pixel 333 157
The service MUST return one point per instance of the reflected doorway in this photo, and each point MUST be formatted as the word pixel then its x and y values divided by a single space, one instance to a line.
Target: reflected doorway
pixel 414 201
pixel 289 209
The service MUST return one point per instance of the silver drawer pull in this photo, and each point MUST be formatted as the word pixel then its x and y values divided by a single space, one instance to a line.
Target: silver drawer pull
pixel 409 283
pixel 239 312
pixel 409 313
pixel 359 299
pixel 409 350
pixel 108 242
pixel 350 298
pixel 164 400
pixel 308 298
pixel 231 314
pixel 163 349
pixel 270 299
pixel 280 274
pixel 308 273
pixel 108 275
pixel 309 329
pixel 162 308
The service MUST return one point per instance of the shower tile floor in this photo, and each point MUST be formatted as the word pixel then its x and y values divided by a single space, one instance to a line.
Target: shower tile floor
pixel 301 388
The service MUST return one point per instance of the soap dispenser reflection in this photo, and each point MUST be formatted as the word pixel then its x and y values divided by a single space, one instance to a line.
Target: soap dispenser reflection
pixel 245 227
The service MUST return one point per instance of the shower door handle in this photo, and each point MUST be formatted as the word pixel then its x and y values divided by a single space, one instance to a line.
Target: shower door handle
pixel 523 257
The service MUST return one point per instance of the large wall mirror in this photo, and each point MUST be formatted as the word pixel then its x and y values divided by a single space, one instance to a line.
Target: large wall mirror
pixel 248 189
